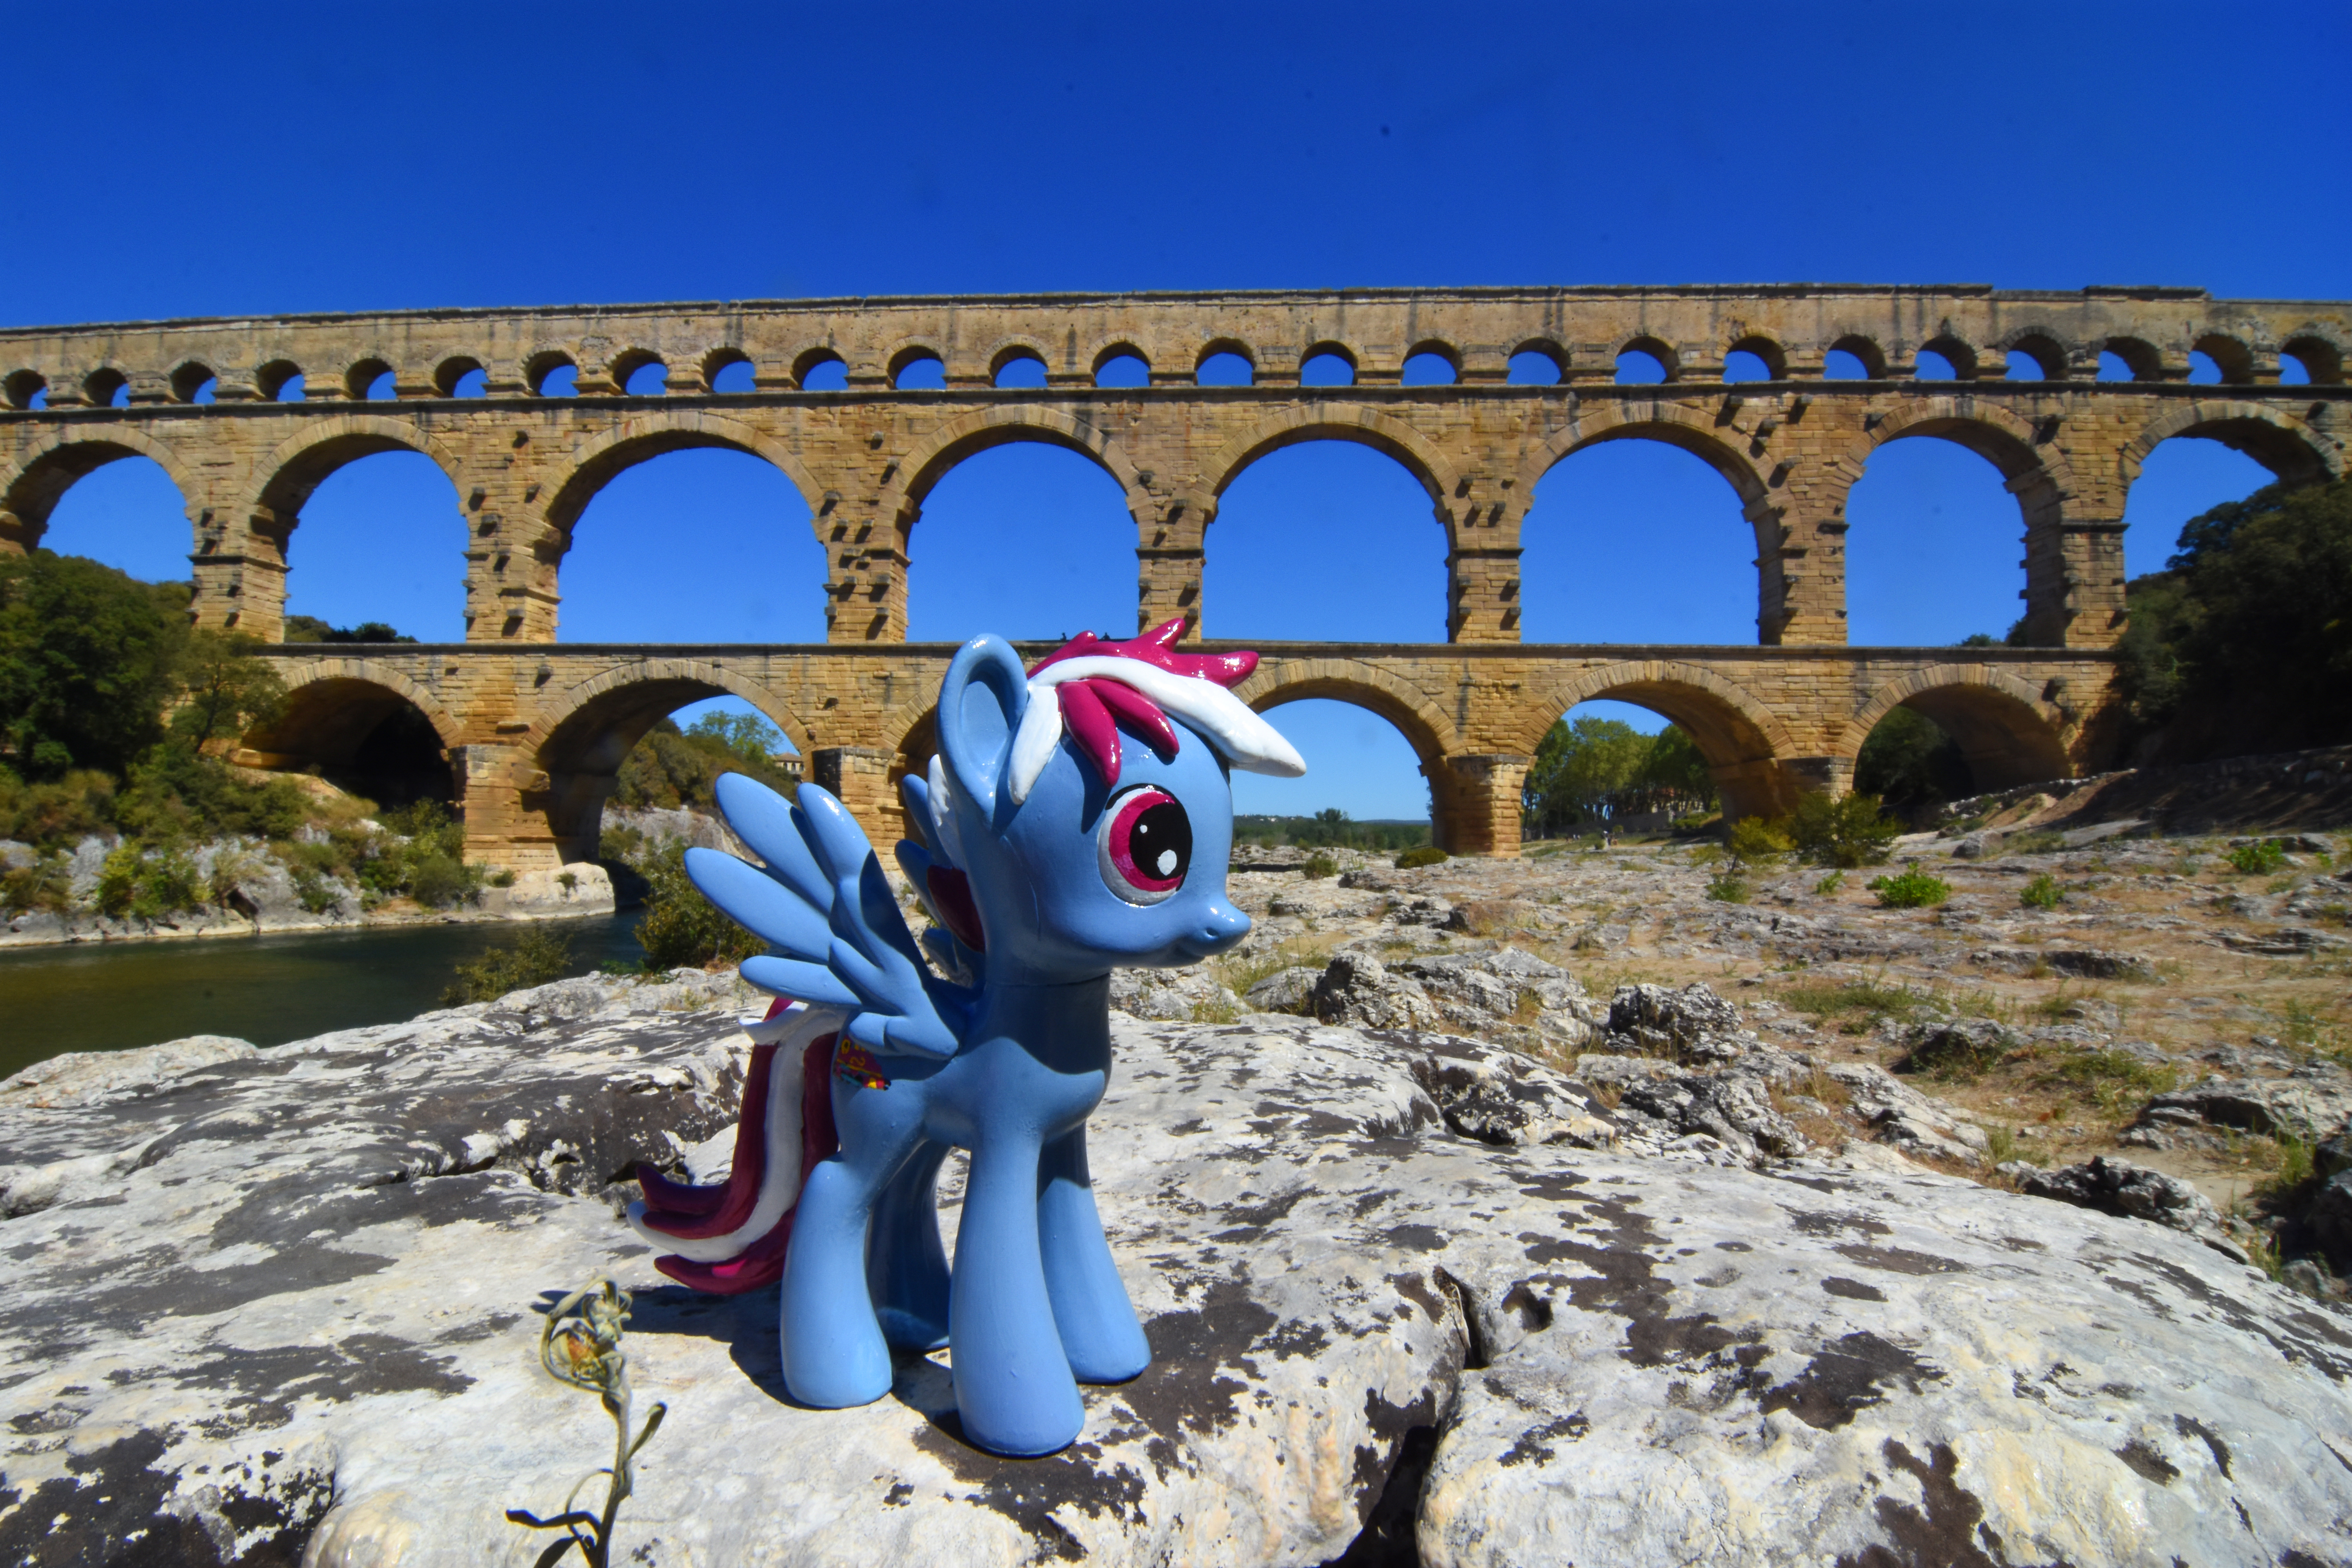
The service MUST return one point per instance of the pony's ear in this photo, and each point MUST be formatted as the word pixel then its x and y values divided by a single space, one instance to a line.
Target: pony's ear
pixel 981 705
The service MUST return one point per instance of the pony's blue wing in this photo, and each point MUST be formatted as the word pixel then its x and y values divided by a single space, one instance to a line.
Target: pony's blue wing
pixel 903 1008
pixel 822 903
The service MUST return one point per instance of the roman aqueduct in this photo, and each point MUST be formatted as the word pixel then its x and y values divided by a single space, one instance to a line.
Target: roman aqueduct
pixel 534 727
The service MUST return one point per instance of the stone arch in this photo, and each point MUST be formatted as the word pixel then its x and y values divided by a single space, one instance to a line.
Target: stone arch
pixel 1421 719
pixel 1347 351
pixel 1104 349
pixel 1769 350
pixel 2279 441
pixel 642 436
pixel 1622 419
pixel 583 733
pixel 45 467
pixel 2041 476
pixel 2050 351
pixel 2321 352
pixel 1743 741
pixel 320 690
pixel 1332 421
pixel 1015 346
pixel 343 719
pixel 284 480
pixel 2010 733
pixel 980 428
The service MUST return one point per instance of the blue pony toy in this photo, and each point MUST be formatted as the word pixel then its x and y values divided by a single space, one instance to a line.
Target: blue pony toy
pixel 1050 854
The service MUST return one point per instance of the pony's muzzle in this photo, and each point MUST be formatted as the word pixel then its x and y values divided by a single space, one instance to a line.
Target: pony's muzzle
pixel 1221 927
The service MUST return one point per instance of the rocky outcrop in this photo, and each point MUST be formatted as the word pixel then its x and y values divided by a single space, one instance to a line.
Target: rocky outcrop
pixel 2119 1187
pixel 1498 994
pixel 294 1316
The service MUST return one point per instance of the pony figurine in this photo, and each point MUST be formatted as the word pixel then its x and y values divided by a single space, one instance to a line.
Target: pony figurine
pixel 1051 852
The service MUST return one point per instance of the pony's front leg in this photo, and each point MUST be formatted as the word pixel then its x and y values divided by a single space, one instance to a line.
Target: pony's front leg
pixel 1013 1382
pixel 834 1351
pixel 1099 1334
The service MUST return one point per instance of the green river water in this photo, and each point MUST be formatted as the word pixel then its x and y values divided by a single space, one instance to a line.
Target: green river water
pixel 108 996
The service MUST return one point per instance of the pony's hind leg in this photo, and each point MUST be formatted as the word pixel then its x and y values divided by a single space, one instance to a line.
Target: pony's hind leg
pixel 1099 1334
pixel 835 1354
pixel 906 1265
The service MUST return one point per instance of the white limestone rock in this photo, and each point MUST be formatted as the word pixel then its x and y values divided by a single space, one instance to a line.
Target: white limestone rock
pixel 298 1322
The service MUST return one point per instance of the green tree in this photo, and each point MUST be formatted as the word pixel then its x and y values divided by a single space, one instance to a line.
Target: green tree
pixel 310 629
pixel 1590 769
pixel 2243 643
pixel 1909 760
pixel 671 768
pixel 225 688
pixel 87 660
pixel 745 735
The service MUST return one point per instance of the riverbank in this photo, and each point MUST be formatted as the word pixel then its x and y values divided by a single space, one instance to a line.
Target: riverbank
pixel 265 989
pixel 573 893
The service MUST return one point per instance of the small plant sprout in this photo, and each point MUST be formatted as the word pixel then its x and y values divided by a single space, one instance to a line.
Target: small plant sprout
pixel 580 1346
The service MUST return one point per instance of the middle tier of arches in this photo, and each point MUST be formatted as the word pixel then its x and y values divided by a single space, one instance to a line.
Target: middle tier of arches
pixel 524 477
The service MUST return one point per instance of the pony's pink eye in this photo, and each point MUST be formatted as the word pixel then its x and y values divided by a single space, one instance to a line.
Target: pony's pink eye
pixel 1144 845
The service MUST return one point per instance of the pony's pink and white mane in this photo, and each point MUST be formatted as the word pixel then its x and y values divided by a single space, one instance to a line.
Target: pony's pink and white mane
pixel 1088 685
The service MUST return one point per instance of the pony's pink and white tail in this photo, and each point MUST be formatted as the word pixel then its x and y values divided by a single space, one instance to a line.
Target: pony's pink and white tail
pixel 731 1238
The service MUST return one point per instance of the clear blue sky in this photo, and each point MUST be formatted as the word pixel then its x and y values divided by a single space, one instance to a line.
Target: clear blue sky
pixel 271 159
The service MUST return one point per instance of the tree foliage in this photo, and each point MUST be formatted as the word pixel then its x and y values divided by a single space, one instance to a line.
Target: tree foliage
pixel 1849 831
pixel 224 688
pixel 2243 643
pixel 1592 769
pixel 1910 763
pixel 88 660
pixel 672 767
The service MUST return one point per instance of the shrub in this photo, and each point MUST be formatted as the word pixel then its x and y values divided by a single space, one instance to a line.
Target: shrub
pixel 681 929
pixel 314 892
pixel 2111 1079
pixel 1319 865
pixel 1847 832
pixel 1752 841
pixel 1830 884
pixel 57 811
pixel 46 884
pixel 1727 889
pixel 537 957
pixel 2041 893
pixel 1957 1048
pixel 1910 889
pixel 2257 859
pixel 1420 855
pixel 438 881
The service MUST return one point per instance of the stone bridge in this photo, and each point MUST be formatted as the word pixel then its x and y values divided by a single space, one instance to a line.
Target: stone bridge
pixel 824 390
pixel 536 733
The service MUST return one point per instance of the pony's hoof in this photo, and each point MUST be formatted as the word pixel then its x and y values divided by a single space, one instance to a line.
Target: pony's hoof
pixel 1020 1442
pixel 837 1392
pixel 1112 1368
